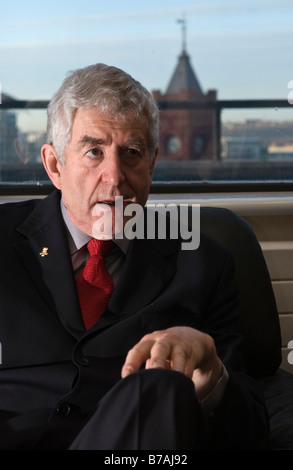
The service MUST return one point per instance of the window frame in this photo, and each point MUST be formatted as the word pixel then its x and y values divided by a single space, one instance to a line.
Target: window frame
pixel 168 187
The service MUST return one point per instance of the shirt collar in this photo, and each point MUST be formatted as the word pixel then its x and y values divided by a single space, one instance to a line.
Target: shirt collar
pixel 77 239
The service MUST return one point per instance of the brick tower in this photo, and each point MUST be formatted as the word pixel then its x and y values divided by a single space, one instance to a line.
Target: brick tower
pixel 187 134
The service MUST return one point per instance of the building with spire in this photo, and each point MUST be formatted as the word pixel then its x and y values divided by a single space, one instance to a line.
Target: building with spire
pixel 187 134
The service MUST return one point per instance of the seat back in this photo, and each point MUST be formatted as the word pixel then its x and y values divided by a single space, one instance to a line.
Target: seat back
pixel 259 320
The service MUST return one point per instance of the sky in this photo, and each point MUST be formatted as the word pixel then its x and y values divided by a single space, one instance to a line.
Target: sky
pixel 241 48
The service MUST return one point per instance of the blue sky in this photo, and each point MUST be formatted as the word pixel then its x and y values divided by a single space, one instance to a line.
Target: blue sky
pixel 242 48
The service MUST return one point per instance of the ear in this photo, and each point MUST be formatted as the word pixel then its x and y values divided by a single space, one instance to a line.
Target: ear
pixel 51 164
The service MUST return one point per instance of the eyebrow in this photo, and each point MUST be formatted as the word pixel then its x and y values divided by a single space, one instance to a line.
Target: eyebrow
pixel 88 140
pixel 93 141
pixel 135 142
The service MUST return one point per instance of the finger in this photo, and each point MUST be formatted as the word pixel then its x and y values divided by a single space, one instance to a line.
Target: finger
pixel 154 363
pixel 166 355
pixel 184 359
pixel 161 349
pixel 136 356
pixel 179 360
pixel 160 354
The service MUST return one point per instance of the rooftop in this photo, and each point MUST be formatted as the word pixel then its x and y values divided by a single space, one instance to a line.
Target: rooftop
pixel 183 77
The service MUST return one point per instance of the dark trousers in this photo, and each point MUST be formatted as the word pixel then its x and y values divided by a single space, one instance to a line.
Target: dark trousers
pixel 148 410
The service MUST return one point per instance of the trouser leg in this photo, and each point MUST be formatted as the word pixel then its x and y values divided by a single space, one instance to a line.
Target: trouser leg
pixel 150 409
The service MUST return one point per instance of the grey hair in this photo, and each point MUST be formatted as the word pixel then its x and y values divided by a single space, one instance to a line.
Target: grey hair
pixel 113 91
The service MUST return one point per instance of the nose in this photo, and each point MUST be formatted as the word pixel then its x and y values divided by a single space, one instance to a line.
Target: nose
pixel 112 169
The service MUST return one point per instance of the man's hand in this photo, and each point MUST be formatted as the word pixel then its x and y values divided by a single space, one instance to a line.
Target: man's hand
pixel 182 349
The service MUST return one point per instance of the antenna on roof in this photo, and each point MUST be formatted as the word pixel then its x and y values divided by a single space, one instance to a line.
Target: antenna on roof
pixel 182 21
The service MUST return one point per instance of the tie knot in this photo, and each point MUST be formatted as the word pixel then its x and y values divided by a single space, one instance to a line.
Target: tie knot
pixel 100 247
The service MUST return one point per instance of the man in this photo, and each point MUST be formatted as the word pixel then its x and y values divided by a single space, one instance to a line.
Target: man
pixel 160 368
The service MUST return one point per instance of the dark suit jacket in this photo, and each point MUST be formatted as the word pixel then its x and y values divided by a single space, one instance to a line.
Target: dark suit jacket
pixel 53 372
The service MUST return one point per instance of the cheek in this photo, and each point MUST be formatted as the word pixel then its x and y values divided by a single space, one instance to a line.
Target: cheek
pixel 140 181
pixel 74 188
pixel 74 179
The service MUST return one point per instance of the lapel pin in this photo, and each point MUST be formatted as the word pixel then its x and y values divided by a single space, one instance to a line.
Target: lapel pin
pixel 44 252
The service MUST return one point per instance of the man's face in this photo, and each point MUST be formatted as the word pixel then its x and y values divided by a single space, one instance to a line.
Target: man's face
pixel 105 158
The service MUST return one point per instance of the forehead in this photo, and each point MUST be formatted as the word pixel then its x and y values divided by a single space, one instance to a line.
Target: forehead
pixel 96 120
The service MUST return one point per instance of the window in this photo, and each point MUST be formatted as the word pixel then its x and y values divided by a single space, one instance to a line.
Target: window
pixel 220 71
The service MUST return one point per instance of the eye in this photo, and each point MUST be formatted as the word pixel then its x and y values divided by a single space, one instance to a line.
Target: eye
pixel 133 152
pixel 131 156
pixel 94 153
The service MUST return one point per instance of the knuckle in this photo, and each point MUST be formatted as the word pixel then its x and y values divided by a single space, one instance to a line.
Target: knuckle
pixel 181 353
pixel 163 342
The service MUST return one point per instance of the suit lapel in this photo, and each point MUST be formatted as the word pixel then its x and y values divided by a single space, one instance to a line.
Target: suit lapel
pixel 44 252
pixel 148 267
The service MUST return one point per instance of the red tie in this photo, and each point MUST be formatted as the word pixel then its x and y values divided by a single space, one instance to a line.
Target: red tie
pixel 94 283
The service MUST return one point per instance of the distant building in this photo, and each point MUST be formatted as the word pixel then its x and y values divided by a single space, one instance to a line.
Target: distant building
pixel 187 134
pixel 283 152
pixel 241 148
pixel 8 134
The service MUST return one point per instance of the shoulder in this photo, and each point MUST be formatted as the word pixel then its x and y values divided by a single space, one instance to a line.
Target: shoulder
pixel 13 214
pixel 209 255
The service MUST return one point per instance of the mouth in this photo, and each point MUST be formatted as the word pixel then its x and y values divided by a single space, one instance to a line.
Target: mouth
pixel 125 202
pixel 109 203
